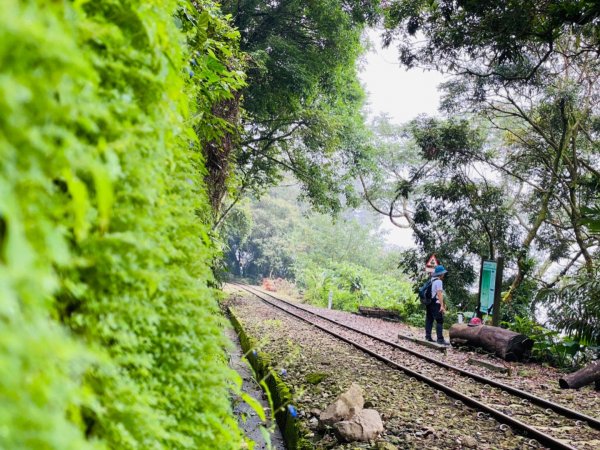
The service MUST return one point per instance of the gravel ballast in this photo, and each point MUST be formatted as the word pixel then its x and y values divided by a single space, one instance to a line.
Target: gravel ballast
pixel 318 368
pixel 537 379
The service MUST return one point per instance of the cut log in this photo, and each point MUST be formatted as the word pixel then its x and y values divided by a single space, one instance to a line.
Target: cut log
pixel 506 344
pixel 379 312
pixel 589 374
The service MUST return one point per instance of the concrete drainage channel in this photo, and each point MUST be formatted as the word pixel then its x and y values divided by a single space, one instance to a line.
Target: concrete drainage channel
pixel 248 419
pixel 289 434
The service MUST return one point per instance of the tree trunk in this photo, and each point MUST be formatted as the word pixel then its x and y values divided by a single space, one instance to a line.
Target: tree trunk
pixel 542 214
pixel 506 344
pixel 218 152
pixel 589 374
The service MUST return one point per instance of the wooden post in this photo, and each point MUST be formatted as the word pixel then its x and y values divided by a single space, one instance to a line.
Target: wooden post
pixel 497 292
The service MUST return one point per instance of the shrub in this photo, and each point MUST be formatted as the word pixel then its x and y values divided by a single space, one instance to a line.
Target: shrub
pixel 353 286
pixel 549 346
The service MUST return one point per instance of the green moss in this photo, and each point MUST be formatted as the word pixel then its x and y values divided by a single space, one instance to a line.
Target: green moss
pixel 316 377
pixel 110 334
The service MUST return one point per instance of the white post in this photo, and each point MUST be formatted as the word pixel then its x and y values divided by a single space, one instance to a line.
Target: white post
pixel 330 301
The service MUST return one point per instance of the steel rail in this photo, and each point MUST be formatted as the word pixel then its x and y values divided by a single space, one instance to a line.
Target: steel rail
pixel 504 418
pixel 563 410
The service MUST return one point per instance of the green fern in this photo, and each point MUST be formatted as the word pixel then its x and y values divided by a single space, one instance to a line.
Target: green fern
pixel 110 335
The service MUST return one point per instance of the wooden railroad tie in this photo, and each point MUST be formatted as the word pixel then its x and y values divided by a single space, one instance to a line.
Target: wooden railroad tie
pixel 433 345
pixel 491 366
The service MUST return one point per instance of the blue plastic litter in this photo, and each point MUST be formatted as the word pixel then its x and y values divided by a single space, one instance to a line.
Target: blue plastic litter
pixel 292 411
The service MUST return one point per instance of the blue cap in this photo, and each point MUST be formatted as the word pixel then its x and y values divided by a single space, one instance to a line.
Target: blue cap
pixel 439 271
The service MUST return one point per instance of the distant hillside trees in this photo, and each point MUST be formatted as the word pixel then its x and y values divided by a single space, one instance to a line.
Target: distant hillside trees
pixel 273 237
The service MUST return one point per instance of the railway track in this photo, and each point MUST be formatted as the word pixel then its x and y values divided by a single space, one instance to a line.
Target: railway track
pixel 547 422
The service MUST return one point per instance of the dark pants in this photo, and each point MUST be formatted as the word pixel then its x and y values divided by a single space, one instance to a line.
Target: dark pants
pixel 433 313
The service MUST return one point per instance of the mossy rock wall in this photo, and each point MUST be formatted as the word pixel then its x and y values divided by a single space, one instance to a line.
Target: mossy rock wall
pixel 110 332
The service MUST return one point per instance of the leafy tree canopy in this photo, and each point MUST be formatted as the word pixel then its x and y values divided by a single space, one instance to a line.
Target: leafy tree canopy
pixel 303 100
pixel 504 38
pixel 430 180
pixel 530 70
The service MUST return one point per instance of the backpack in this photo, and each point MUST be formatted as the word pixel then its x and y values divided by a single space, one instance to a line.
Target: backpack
pixel 425 294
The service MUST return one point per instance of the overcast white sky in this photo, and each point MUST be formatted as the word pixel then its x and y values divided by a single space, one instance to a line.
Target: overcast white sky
pixel 402 95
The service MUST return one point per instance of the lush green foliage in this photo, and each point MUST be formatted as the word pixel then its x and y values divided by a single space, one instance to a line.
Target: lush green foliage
pixel 549 347
pixel 427 183
pixel 456 193
pixel 265 246
pixel 110 336
pixel 303 100
pixel 271 237
pixel 513 170
pixel 352 285
pixel 574 307
pixel 502 38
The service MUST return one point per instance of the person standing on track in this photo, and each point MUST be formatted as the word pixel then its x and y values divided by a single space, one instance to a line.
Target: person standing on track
pixel 437 308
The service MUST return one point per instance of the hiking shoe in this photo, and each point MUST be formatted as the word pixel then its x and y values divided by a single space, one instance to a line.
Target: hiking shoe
pixel 442 342
pixel 429 339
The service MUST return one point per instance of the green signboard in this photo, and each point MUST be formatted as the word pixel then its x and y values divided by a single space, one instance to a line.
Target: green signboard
pixel 487 292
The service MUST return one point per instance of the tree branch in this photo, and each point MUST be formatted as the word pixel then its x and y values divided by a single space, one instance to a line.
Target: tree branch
pixel 375 207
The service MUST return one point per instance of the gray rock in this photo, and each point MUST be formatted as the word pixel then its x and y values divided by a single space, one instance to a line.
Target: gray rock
pixel 363 426
pixel 315 412
pixel 383 445
pixel 344 407
pixel 469 442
